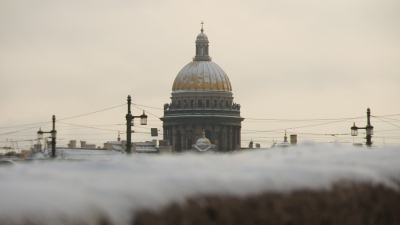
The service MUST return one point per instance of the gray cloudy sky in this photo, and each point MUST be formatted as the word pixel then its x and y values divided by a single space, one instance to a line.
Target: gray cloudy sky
pixel 285 59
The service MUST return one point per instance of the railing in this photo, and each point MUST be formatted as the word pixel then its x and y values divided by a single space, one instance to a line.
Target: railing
pixel 202 112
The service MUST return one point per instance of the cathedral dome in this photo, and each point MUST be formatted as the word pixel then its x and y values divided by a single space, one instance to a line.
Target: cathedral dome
pixel 202 74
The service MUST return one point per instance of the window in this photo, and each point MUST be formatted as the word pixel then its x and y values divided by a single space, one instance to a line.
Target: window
pixel 199 103
pixel 207 103
pixel 192 104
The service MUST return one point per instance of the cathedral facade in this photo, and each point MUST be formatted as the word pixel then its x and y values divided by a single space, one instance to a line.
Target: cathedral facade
pixel 202 100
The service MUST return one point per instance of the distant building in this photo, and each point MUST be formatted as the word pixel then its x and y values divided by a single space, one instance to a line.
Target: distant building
pixel 202 99
pixel 139 147
pixel 284 144
pixel 72 145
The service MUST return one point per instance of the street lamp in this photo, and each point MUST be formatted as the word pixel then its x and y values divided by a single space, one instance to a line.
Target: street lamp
pixel 129 124
pixel 143 119
pixel 369 129
pixel 40 134
pixel 53 137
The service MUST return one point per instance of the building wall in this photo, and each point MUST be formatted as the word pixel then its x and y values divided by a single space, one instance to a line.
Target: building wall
pixel 182 132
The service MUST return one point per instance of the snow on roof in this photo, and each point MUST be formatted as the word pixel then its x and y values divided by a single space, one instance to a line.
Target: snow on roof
pixel 81 154
pixel 118 147
pixel 115 188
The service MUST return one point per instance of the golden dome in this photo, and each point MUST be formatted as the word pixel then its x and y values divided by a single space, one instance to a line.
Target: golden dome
pixel 202 75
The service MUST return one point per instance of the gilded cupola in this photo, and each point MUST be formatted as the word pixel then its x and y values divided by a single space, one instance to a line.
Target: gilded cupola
pixel 202 73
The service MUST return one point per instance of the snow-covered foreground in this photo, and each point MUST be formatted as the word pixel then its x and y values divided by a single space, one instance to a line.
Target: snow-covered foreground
pixel 71 191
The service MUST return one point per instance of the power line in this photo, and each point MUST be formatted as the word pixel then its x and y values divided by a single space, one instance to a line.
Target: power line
pixel 309 125
pixel 147 111
pixel 90 113
pixel 388 115
pixel 391 119
pixel 23 129
pixel 342 119
pixel 386 130
pixel 24 125
pixel 386 122
pixel 147 106
pixel 97 128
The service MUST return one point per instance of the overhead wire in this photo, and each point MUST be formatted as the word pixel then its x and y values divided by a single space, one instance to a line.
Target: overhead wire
pixel 90 113
pixel 386 121
pixel 24 125
pixel 290 120
pixel 97 128
pixel 290 128
pixel 134 105
pixel 103 128
pixel 11 132
pixel 148 106
pixel 244 131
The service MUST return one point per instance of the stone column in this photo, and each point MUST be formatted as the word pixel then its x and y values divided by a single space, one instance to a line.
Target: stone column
pixel 164 133
pixel 170 135
pixel 173 138
pixel 234 137
pixel 223 141
pixel 229 131
pixel 240 136
pixel 184 147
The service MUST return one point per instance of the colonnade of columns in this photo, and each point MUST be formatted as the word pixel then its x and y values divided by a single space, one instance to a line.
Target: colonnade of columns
pixel 225 137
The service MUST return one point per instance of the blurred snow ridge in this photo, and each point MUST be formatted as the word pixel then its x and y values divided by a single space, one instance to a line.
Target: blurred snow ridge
pixel 63 192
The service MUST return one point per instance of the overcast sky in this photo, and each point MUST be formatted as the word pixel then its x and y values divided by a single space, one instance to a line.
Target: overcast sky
pixel 285 60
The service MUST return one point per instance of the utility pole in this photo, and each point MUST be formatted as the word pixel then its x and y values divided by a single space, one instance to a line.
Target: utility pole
pixel 128 127
pixel 53 138
pixel 369 129
pixel 129 124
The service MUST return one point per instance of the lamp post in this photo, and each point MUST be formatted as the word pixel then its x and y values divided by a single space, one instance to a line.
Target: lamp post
pixel 369 129
pixel 129 124
pixel 53 137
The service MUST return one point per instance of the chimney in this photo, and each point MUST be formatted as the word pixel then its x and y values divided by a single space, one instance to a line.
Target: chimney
pixel 293 139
